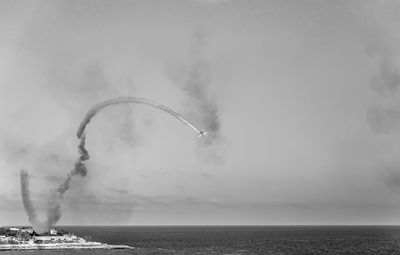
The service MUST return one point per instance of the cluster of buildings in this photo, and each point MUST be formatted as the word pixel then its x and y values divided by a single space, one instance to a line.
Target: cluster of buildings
pixel 26 239
pixel 27 236
pixel 67 238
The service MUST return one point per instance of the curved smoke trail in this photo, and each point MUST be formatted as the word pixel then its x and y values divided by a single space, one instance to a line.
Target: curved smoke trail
pixel 53 206
pixel 124 100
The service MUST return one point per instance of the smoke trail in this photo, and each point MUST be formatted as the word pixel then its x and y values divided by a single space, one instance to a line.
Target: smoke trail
pixel 26 199
pixel 53 205
pixel 53 210
pixel 38 226
pixel 123 100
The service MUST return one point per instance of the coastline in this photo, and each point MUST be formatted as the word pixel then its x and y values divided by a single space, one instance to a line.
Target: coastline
pixel 61 246
pixel 25 238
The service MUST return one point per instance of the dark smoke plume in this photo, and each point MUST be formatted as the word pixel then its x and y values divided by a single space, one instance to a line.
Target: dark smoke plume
pixel 194 80
pixel 384 118
pixel 26 200
pixel 384 115
pixel 53 204
pixel 195 85
pixel 53 211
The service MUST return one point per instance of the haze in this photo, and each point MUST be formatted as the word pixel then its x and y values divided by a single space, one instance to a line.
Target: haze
pixel 304 94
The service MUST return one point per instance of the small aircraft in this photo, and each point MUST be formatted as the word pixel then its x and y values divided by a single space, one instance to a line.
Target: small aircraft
pixel 202 133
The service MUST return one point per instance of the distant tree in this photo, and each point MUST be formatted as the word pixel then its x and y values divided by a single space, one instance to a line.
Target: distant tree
pixel 23 235
pixel 7 232
pixel 13 242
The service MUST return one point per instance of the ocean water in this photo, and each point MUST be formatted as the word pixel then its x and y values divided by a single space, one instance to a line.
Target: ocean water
pixel 239 240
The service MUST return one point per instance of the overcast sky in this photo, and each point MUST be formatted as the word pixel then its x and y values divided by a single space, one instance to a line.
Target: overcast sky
pixel 301 99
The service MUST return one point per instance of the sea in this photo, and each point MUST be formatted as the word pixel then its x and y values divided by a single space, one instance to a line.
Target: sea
pixel 237 240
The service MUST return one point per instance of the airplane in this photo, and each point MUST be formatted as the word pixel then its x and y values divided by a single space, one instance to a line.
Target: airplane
pixel 202 133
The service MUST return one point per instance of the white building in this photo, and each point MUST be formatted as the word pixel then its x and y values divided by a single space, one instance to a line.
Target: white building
pixel 27 230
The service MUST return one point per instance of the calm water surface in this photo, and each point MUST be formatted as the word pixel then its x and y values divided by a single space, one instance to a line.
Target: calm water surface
pixel 240 240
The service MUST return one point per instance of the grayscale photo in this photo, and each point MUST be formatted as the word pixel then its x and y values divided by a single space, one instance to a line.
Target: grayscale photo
pixel 199 127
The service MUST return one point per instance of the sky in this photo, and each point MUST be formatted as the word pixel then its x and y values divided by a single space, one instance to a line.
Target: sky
pixel 301 100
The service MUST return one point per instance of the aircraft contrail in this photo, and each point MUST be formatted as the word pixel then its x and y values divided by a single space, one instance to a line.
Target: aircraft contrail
pixel 53 206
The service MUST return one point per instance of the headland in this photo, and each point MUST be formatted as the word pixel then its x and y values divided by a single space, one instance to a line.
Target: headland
pixel 15 238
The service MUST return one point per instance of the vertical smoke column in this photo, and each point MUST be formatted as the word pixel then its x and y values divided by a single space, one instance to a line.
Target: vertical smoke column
pixel 26 199
pixel 53 210
pixel 39 227
pixel 53 204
